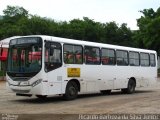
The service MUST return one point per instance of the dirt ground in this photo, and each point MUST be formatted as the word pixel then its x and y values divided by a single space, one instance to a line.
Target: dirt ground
pixel 144 101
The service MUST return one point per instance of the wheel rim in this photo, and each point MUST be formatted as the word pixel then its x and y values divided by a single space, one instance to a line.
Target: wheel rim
pixel 131 87
pixel 72 91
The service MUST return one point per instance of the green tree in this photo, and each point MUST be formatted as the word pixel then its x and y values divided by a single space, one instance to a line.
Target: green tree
pixel 13 22
pixel 15 11
pixel 17 21
pixel 110 31
pixel 77 29
pixel 125 36
pixel 149 28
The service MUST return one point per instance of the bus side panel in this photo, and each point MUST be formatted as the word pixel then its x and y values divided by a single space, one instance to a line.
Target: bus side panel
pixel 42 87
pixel 122 73
pixel 147 76
pixel 98 77
pixel 107 76
pixel 144 76
pixel 90 74
pixel 55 79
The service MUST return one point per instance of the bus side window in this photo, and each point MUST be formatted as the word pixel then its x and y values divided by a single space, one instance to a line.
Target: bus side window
pixel 53 57
pixel 79 57
pixel 144 58
pixel 73 54
pixel 122 57
pixel 108 56
pixel 152 60
pixel 92 55
pixel 134 58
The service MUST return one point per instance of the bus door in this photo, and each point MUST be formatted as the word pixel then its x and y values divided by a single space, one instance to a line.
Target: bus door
pixel 53 63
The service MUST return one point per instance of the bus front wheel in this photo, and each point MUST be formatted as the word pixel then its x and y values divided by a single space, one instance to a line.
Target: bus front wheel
pixel 71 91
pixel 131 87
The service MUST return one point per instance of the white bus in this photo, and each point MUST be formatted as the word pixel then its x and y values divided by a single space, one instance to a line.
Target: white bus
pixel 45 65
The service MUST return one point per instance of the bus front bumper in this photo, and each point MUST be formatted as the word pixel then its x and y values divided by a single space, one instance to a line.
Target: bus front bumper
pixel 20 89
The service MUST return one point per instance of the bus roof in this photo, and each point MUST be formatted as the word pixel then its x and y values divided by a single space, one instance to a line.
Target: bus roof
pixel 5 42
pixel 81 42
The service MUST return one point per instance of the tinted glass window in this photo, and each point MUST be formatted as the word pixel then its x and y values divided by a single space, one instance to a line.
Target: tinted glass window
pixel 152 60
pixel 92 55
pixel 122 57
pixel 144 59
pixel 25 58
pixel 134 59
pixel 53 58
pixel 108 57
pixel 73 54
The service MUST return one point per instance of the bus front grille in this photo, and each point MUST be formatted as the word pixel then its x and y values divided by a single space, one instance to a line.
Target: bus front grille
pixel 20 78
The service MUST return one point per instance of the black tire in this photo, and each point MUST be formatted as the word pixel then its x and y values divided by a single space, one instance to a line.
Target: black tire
pixel 124 90
pixel 71 92
pixel 131 87
pixel 106 92
pixel 41 96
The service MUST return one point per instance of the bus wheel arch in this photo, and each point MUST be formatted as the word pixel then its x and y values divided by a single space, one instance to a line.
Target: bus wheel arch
pixel 77 82
pixel 130 86
pixel 72 88
pixel 132 78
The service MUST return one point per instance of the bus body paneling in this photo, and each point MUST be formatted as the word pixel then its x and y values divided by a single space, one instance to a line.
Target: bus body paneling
pixel 87 77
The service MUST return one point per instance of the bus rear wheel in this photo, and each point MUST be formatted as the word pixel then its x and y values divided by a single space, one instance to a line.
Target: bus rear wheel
pixel 131 87
pixel 71 91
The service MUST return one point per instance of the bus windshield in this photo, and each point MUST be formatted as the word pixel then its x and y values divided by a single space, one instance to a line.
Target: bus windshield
pixel 25 56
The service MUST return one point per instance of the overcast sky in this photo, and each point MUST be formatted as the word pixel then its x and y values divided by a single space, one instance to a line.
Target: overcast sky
pixel 120 11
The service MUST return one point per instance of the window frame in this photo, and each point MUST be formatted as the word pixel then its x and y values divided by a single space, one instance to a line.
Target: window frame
pixel 114 56
pixel 154 60
pixel 145 59
pixel 72 46
pixel 134 59
pixel 99 55
pixel 127 57
pixel 60 64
